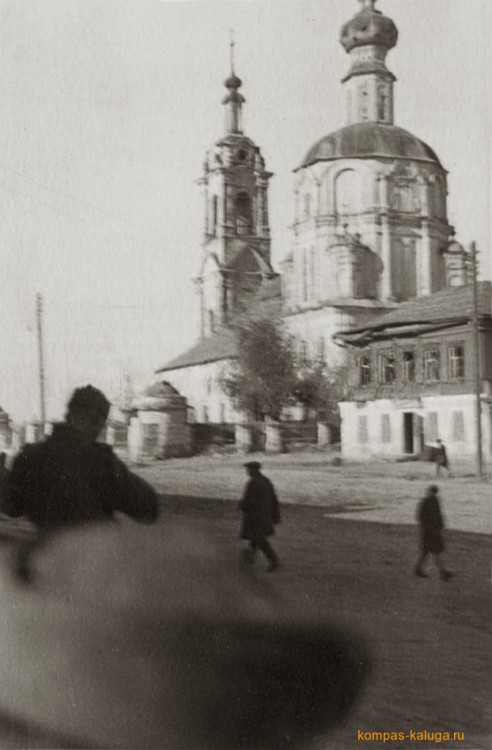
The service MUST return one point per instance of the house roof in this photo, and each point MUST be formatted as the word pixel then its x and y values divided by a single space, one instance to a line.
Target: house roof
pixel 220 345
pixel 450 306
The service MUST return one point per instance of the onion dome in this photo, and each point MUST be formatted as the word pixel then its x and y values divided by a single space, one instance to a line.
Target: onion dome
pixel 233 82
pixel 367 140
pixel 368 27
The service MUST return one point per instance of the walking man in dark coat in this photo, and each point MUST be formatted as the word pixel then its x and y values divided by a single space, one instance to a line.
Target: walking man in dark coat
pixel 261 512
pixel 431 523
pixel 70 479
pixel 441 458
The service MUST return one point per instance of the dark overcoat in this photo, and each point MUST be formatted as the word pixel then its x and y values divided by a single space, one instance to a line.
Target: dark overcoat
pixel 431 523
pixel 440 456
pixel 64 481
pixel 260 507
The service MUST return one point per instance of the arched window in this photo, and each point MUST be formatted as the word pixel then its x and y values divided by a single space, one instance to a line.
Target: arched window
pixel 348 193
pixel 343 283
pixel 244 217
pixel 382 103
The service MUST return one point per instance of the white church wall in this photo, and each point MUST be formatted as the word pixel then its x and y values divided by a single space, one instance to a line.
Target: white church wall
pixel 200 385
pixel 313 330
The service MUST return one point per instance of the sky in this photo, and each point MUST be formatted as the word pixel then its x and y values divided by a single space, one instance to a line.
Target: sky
pixel 107 108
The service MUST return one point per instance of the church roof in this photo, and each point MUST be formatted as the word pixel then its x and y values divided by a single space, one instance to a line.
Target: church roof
pixel 220 345
pixel 366 140
pixel 245 253
pixel 450 306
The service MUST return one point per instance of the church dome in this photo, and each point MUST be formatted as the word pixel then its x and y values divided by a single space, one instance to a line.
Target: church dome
pixel 366 140
pixel 233 82
pixel 369 26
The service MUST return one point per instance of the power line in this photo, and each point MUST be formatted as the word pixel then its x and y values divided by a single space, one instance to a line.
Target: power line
pixel 82 220
pixel 92 206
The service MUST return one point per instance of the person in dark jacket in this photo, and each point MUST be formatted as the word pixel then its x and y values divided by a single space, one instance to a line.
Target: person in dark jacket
pixel 441 459
pixel 70 479
pixel 261 512
pixel 431 523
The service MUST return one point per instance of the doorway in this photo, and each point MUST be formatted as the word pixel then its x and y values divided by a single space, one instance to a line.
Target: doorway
pixel 408 432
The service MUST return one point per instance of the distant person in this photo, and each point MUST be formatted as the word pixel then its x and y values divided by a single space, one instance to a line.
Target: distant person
pixel 70 479
pixel 261 512
pixel 441 459
pixel 431 523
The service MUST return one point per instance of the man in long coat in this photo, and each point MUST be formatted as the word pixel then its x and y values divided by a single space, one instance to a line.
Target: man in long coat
pixel 70 479
pixel 431 524
pixel 261 512
pixel 441 458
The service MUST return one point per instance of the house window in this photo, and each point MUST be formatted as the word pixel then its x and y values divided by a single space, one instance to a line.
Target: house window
pixel 458 426
pixel 456 362
pixel 365 371
pixel 362 431
pixel 431 365
pixel 432 427
pixel 408 367
pixel 303 351
pixel 386 368
pixel 385 428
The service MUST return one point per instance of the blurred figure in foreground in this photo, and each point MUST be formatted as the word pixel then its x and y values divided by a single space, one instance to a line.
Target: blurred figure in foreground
pixel 260 508
pixel 70 479
pixel 148 637
pixel 431 523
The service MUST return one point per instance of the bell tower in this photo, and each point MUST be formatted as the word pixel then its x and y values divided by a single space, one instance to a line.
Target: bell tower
pixel 236 236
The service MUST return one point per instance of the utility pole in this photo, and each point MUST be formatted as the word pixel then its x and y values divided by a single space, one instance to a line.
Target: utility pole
pixel 476 349
pixel 39 323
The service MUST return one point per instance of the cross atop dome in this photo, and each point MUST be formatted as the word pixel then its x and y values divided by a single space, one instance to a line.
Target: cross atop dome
pixel 232 44
pixel 233 83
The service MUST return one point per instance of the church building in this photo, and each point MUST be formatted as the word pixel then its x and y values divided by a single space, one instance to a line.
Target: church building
pixel 370 227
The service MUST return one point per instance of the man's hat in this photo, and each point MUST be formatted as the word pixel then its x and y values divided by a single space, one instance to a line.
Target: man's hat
pixel 253 465
pixel 91 398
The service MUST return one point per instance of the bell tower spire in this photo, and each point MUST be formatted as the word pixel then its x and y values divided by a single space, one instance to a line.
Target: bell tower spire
pixel 233 101
pixel 236 240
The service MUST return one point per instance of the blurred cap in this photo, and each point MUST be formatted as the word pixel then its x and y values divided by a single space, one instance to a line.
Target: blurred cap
pixel 89 398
